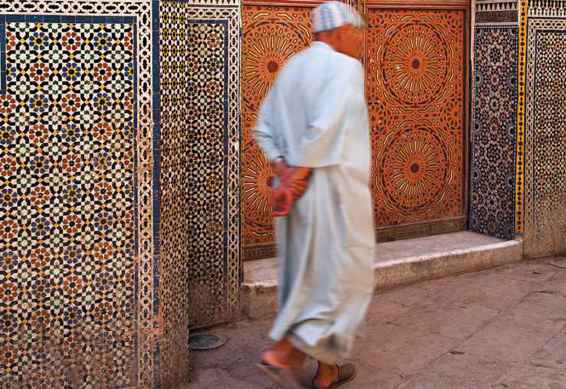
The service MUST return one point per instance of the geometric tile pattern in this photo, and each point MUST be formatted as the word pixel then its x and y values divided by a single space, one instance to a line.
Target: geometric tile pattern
pixel 174 234
pixel 213 133
pixel 69 213
pixel 271 35
pixel 76 123
pixel 520 154
pixel 416 93
pixel 494 12
pixel 492 203
pixel 545 175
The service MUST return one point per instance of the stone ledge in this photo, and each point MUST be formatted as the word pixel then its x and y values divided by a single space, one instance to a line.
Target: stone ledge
pixel 403 271
pixel 396 264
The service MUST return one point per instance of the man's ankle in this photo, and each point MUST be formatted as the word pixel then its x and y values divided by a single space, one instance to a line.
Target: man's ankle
pixel 284 354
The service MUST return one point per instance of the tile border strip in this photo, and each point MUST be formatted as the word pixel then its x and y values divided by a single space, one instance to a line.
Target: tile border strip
pixel 521 90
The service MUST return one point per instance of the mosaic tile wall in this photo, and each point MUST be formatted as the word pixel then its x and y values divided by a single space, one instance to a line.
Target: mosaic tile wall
pixel 271 36
pixel 199 175
pixel 522 8
pixel 213 143
pixel 416 94
pixel 494 115
pixel 76 167
pixel 545 118
pixel 174 233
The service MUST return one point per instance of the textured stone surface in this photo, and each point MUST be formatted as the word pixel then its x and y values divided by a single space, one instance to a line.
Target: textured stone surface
pixel 498 328
pixel 396 263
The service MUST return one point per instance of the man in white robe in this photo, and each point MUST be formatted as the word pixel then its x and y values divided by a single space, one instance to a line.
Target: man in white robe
pixel 315 117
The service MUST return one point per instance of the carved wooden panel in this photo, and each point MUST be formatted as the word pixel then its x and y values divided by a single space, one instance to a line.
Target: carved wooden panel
pixel 416 96
pixel 271 35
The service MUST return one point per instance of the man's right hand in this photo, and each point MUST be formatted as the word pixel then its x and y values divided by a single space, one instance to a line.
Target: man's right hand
pixel 293 182
pixel 298 181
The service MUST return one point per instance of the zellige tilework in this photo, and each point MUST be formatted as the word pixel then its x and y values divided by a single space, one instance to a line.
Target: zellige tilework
pixel 78 236
pixel 69 209
pixel 213 149
pixel 174 233
pixel 493 134
pixel 545 133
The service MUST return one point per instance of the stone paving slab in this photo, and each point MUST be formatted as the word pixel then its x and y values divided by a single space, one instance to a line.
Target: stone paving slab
pixel 503 328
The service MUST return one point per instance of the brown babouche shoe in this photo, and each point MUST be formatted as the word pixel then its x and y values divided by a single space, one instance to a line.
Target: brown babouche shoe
pixel 282 363
pixel 346 373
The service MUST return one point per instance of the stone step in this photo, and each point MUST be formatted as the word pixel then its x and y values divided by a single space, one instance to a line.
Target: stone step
pixel 397 263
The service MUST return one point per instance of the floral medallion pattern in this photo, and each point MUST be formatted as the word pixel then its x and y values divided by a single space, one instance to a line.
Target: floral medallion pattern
pixel 413 161
pixel 415 89
pixel 415 64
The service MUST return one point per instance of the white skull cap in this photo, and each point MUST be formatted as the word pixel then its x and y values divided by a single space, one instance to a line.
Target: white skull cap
pixel 334 14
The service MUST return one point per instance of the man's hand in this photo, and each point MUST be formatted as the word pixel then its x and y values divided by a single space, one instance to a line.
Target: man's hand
pixel 279 166
pixel 298 181
pixel 293 182
pixel 281 199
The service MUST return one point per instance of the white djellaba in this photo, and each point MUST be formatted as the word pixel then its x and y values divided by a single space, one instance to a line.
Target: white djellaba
pixel 315 115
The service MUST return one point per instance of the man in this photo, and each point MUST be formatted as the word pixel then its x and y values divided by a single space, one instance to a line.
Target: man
pixel 315 118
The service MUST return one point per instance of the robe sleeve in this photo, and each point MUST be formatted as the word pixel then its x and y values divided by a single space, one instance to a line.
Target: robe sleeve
pixel 265 130
pixel 321 145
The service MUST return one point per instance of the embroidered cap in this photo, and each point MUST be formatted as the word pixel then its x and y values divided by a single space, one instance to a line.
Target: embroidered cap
pixel 334 14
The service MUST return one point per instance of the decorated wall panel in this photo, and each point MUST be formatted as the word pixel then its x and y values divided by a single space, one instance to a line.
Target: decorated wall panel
pixel 417 111
pixel 213 141
pixel 522 16
pixel 416 95
pixel 493 133
pixel 271 36
pixel 77 160
pixel 545 118
pixel 174 233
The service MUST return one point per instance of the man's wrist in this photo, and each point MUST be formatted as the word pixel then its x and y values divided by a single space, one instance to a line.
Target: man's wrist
pixel 278 165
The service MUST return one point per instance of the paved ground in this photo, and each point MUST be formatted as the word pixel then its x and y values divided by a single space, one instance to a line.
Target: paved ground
pixel 501 328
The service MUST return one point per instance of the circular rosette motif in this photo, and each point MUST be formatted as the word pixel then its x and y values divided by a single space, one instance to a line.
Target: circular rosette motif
pixel 268 43
pixel 414 169
pixel 256 192
pixel 415 64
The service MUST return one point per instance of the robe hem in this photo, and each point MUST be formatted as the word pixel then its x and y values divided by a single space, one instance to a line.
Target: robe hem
pixel 324 356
